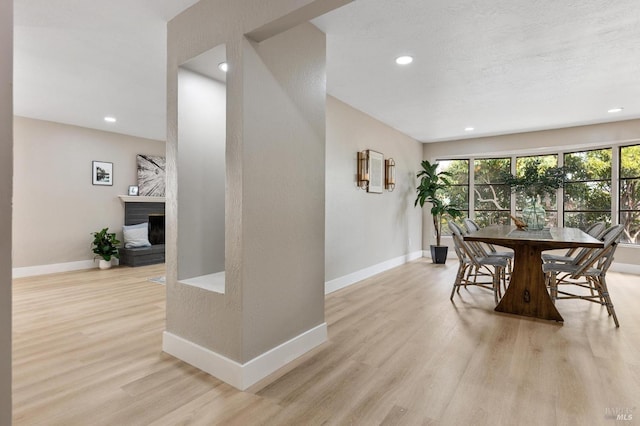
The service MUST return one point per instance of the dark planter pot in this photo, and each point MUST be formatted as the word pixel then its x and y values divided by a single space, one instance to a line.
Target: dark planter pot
pixel 439 254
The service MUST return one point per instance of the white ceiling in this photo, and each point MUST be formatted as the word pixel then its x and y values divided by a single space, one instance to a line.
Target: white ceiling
pixel 77 61
pixel 499 66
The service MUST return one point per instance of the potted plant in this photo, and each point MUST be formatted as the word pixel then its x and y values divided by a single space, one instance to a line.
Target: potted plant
pixel 105 246
pixel 432 183
pixel 534 182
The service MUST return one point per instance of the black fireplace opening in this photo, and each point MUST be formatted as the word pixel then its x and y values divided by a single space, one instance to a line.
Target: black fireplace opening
pixel 156 229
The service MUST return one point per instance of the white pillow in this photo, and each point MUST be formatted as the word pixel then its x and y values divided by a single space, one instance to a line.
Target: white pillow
pixel 136 235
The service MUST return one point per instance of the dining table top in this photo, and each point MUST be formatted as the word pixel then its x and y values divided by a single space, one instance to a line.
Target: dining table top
pixel 552 236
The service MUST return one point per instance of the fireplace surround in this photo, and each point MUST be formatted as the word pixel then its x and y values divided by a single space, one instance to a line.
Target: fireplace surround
pixel 145 210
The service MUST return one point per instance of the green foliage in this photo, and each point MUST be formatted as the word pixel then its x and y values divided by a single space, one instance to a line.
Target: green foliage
pixel 587 189
pixel 588 165
pixel 105 244
pixel 432 184
pixel 490 170
pixel 630 192
pixel 630 162
pixel 492 199
pixel 535 180
pixel 458 192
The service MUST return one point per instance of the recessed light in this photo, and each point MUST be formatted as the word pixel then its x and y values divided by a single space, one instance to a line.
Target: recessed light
pixel 224 67
pixel 617 109
pixel 469 129
pixel 404 60
pixel 110 119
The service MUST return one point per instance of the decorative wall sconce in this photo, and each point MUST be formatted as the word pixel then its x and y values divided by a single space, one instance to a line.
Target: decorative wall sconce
pixel 363 169
pixel 371 171
pixel 389 174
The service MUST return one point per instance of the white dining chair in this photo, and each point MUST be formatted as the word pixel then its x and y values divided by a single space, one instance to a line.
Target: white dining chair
pixel 474 264
pixel 472 226
pixel 588 273
pixel 595 230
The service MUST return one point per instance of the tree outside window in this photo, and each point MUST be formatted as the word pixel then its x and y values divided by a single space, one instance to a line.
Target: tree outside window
pixel 492 202
pixel 630 193
pixel 457 194
pixel 548 201
pixel 587 190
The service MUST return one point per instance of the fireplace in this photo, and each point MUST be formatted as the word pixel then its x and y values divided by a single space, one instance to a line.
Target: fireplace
pixel 140 210
pixel 156 228
pixel 136 212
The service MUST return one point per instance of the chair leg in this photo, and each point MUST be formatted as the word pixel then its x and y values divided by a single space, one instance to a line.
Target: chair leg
pixel 458 281
pixel 505 282
pixel 604 291
pixel 592 285
pixel 496 283
pixel 595 285
pixel 553 286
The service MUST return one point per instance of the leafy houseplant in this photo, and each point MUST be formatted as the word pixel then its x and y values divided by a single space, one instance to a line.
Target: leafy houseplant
pixel 105 246
pixel 432 183
pixel 535 181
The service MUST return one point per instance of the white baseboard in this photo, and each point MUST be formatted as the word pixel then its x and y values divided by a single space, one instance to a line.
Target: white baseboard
pixel 354 277
pixel 626 268
pixel 29 271
pixel 330 286
pixel 241 376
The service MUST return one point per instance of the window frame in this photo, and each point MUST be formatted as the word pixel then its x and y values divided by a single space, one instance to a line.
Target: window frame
pixel 619 190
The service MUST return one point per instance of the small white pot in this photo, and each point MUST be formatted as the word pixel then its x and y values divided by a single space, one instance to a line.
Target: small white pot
pixel 104 264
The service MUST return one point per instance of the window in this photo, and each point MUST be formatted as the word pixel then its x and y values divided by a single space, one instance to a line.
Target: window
pixel 630 193
pixel 587 190
pixel 548 201
pixel 601 184
pixel 458 194
pixel 492 204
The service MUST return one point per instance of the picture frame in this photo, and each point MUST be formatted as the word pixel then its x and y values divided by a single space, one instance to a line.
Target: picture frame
pixel 102 173
pixel 151 175
pixel 376 172
pixel 133 190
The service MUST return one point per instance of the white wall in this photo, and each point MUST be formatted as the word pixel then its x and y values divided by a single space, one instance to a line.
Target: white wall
pixel 274 207
pixel 201 170
pixel 6 155
pixel 283 192
pixel 56 207
pixel 365 229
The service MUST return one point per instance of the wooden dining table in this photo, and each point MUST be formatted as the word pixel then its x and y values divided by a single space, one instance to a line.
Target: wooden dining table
pixel 527 293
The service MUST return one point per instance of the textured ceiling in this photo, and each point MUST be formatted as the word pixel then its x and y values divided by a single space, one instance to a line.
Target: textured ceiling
pixel 498 66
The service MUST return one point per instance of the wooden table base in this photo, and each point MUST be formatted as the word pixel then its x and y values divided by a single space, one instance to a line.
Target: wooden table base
pixel 527 294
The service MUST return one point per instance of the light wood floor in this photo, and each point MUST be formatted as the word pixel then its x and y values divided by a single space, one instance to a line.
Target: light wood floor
pixel 87 351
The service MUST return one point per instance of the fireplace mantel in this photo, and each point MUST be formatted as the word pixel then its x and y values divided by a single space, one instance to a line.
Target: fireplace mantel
pixel 140 199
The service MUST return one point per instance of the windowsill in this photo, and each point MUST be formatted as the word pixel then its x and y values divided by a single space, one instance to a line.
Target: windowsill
pixel 210 282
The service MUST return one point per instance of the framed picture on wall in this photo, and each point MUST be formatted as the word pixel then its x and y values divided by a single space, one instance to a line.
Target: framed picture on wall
pixel 151 175
pixel 102 173
pixel 376 172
